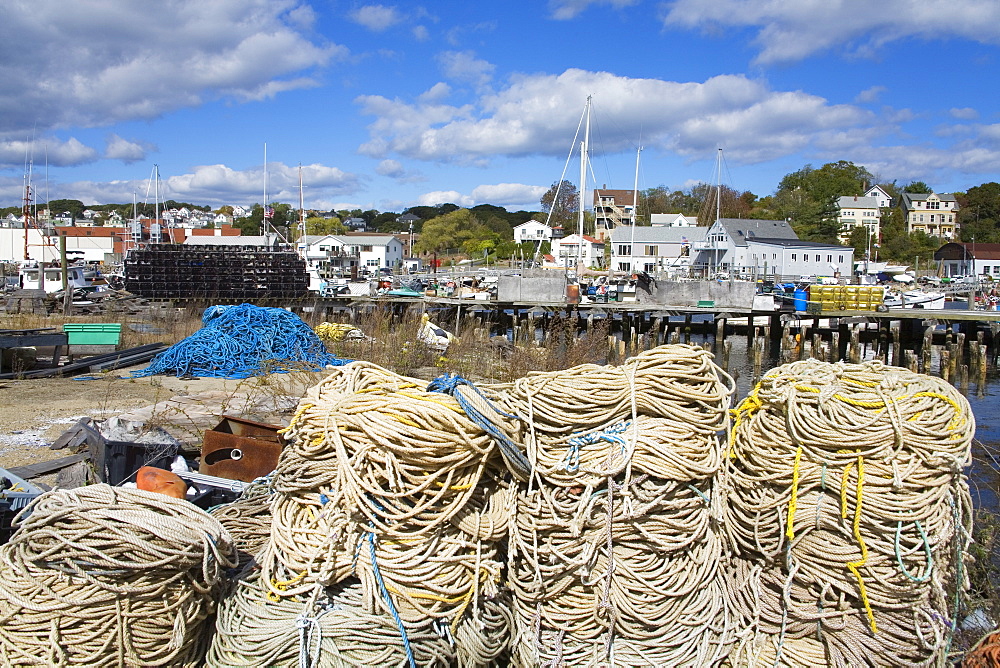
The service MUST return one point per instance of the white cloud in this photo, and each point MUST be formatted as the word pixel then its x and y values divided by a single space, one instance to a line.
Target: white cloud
pixel 965 113
pixel 512 196
pixel 125 150
pixel 569 9
pixel 789 31
pixel 465 67
pixel 216 185
pixel 439 197
pixel 536 115
pixel 421 34
pixel 376 17
pixel 870 94
pixel 58 153
pixel 124 61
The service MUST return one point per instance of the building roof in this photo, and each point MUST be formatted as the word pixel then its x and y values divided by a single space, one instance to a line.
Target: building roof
pixel 662 235
pixel 857 202
pixel 741 229
pixel 799 243
pixel 364 239
pixel 269 240
pixel 621 197
pixel 957 250
pixel 909 198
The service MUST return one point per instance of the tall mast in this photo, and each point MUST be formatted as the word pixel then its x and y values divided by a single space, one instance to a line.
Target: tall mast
pixel 156 198
pixel 302 210
pixel 635 213
pixel 583 187
pixel 263 211
pixel 718 187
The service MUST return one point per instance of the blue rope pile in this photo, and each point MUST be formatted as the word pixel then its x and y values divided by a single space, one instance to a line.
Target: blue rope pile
pixel 244 341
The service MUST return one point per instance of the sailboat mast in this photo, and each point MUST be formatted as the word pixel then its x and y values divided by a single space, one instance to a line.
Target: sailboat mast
pixel 156 198
pixel 583 187
pixel 718 187
pixel 302 210
pixel 635 213
pixel 263 211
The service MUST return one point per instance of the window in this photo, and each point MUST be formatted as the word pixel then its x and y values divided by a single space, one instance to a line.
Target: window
pixel 933 205
pixel 366 249
pixel 921 218
pixel 624 266
pixel 372 263
pixel 840 258
pixel 624 249
pixel 817 257
pixel 996 269
pixel 829 258
pixel 795 257
pixel 651 250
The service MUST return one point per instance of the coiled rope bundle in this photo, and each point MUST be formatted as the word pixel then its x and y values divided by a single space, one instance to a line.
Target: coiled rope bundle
pixel 850 514
pixel 388 485
pixel 247 519
pixel 243 341
pixel 614 554
pixel 101 575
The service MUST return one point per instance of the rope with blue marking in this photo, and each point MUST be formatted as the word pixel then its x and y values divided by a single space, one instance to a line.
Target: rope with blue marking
pixel 479 409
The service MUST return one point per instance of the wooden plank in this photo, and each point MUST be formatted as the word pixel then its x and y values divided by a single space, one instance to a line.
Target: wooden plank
pixel 33 340
pixel 43 468
pixel 75 435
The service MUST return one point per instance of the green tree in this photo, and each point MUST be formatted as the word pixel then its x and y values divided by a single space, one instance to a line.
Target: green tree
pixel 917 187
pixel 319 226
pixel 74 206
pixel 451 231
pixel 979 213
pixel 562 200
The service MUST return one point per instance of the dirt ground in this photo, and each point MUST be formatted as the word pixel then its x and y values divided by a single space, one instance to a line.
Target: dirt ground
pixel 34 413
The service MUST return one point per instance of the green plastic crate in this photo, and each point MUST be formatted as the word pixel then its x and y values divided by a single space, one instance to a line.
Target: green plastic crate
pixel 86 334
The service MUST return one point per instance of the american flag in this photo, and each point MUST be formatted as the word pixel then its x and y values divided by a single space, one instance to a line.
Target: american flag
pixel 269 212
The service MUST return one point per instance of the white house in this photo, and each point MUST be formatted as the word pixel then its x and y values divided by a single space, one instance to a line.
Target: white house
pixel 725 244
pixel 672 220
pixel 654 249
pixel 336 254
pixel 792 258
pixel 534 231
pixel 588 250
pixel 884 201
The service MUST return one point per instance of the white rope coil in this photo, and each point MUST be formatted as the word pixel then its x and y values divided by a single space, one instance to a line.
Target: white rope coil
pixel 614 555
pixel 101 575
pixel 388 484
pixel 845 486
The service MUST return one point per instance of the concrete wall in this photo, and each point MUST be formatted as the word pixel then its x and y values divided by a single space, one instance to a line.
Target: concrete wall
pixel 689 293
pixel 544 288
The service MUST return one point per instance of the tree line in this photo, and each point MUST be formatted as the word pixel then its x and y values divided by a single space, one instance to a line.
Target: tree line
pixel 807 198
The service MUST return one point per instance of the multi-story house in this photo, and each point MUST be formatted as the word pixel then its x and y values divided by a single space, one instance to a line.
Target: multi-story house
pixel 533 231
pixel 930 213
pixel 568 250
pixel 654 249
pixel 612 209
pixel 854 212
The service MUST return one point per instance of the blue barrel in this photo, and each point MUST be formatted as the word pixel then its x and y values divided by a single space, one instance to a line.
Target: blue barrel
pixel 800 300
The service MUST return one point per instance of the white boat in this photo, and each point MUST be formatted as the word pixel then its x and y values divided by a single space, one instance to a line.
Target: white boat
pixel 79 277
pixel 915 299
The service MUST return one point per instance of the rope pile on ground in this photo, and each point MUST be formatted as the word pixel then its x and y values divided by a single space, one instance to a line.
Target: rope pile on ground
pixel 387 516
pixel 247 519
pixel 243 341
pixel 331 332
pixel 849 514
pixel 614 553
pixel 107 576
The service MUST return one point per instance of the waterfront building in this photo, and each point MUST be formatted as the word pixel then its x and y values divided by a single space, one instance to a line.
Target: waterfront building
pixel 930 213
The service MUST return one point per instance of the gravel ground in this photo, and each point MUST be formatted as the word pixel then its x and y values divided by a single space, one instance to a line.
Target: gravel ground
pixel 34 413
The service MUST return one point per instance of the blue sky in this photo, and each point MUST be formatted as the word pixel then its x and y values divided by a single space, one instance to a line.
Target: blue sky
pixel 391 105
